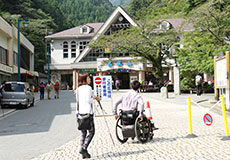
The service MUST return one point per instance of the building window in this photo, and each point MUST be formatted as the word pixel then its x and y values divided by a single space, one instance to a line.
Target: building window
pixel 3 55
pixel 84 30
pixel 65 49
pixel 15 58
pixel 73 49
pixel 82 45
pixel 94 54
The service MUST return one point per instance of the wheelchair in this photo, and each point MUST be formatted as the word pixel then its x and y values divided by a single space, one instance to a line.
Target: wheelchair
pixel 130 125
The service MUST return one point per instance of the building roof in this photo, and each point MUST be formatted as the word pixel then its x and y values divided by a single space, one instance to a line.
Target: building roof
pixel 112 18
pixel 76 33
pixel 176 23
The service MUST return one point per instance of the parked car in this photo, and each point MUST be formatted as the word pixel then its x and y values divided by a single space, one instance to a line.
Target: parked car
pixel 17 94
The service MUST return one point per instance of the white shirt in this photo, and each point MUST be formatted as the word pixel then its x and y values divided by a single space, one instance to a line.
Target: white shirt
pixel 85 99
pixel 129 102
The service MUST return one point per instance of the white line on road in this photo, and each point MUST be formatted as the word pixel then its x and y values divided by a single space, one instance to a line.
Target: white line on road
pixel 13 112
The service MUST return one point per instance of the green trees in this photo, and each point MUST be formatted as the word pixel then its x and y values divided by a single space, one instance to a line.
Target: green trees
pixel 137 7
pixel 55 15
pixel 39 19
pixel 145 41
pixel 211 34
pixel 210 37
pixel 80 12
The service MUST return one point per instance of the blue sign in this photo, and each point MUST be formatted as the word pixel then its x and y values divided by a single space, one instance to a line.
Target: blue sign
pixel 208 119
pixel 119 63
pixel 110 64
pixel 103 88
pixel 129 63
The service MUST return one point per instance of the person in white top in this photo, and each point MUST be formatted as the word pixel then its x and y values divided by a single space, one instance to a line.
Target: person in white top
pixel 84 100
pixel 130 100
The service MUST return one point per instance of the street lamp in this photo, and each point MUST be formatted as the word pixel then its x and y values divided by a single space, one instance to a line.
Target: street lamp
pixel 47 47
pixel 48 63
pixel 25 25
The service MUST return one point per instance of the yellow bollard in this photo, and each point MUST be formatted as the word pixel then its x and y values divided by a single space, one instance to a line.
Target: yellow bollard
pixel 189 115
pixel 224 115
pixel 190 119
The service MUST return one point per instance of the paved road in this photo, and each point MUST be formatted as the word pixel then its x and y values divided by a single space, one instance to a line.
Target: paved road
pixel 37 130
pixel 169 141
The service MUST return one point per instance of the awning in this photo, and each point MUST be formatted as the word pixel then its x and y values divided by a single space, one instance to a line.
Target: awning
pixel 5 74
pixel 29 73
pixel 25 72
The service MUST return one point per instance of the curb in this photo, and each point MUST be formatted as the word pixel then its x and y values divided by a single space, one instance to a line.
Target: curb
pixel 6 113
pixel 36 100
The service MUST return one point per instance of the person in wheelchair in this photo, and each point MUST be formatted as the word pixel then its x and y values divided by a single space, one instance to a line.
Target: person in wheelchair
pixel 130 102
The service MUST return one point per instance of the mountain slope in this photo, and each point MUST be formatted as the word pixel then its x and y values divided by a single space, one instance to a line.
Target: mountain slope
pixel 79 12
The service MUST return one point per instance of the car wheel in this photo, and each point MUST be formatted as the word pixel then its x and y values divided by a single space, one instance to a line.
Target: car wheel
pixel 3 106
pixel 26 105
pixel 32 104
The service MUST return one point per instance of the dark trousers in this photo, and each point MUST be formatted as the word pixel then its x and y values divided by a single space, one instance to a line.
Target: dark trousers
pixel 199 89
pixel 86 139
pixel 41 94
pixel 117 86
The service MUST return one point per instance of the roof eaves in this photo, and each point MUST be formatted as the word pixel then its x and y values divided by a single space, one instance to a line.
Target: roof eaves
pixel 99 32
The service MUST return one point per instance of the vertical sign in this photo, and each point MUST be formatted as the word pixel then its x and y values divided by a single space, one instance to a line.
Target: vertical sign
pixel 103 87
pixel 221 73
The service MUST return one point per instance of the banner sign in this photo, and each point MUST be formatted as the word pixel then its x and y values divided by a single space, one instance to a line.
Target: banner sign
pixel 221 73
pixel 88 71
pixel 103 87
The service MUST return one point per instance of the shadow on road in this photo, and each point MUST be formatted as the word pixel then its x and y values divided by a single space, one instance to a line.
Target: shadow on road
pixel 38 118
pixel 120 154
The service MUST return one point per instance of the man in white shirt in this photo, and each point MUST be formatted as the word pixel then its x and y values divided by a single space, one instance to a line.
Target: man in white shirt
pixel 130 100
pixel 198 82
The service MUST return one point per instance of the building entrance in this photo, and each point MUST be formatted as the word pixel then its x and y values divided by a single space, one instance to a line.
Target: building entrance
pixel 124 78
pixel 67 81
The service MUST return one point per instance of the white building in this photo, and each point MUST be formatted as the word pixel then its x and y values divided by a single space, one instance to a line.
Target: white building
pixel 8 54
pixel 70 54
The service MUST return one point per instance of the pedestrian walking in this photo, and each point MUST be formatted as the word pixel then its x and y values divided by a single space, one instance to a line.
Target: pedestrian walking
pixel 141 86
pixel 199 82
pixel 49 89
pixel 42 89
pixel 117 84
pixel 56 89
pixel 84 101
pixel 1 87
pixel 2 84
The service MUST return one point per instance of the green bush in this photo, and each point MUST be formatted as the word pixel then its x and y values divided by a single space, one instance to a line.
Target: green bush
pixel 206 85
pixel 187 83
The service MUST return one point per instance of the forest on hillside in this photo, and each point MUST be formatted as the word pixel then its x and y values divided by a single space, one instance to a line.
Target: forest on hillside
pixel 50 16
pixel 79 12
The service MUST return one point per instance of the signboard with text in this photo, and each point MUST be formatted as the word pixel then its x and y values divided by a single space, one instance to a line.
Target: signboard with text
pixel 221 73
pixel 103 87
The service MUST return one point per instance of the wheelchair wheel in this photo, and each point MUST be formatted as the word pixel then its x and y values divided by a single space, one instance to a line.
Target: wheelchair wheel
pixel 142 129
pixel 118 130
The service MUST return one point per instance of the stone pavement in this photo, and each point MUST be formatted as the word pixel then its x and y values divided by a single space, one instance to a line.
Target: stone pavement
pixel 169 141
